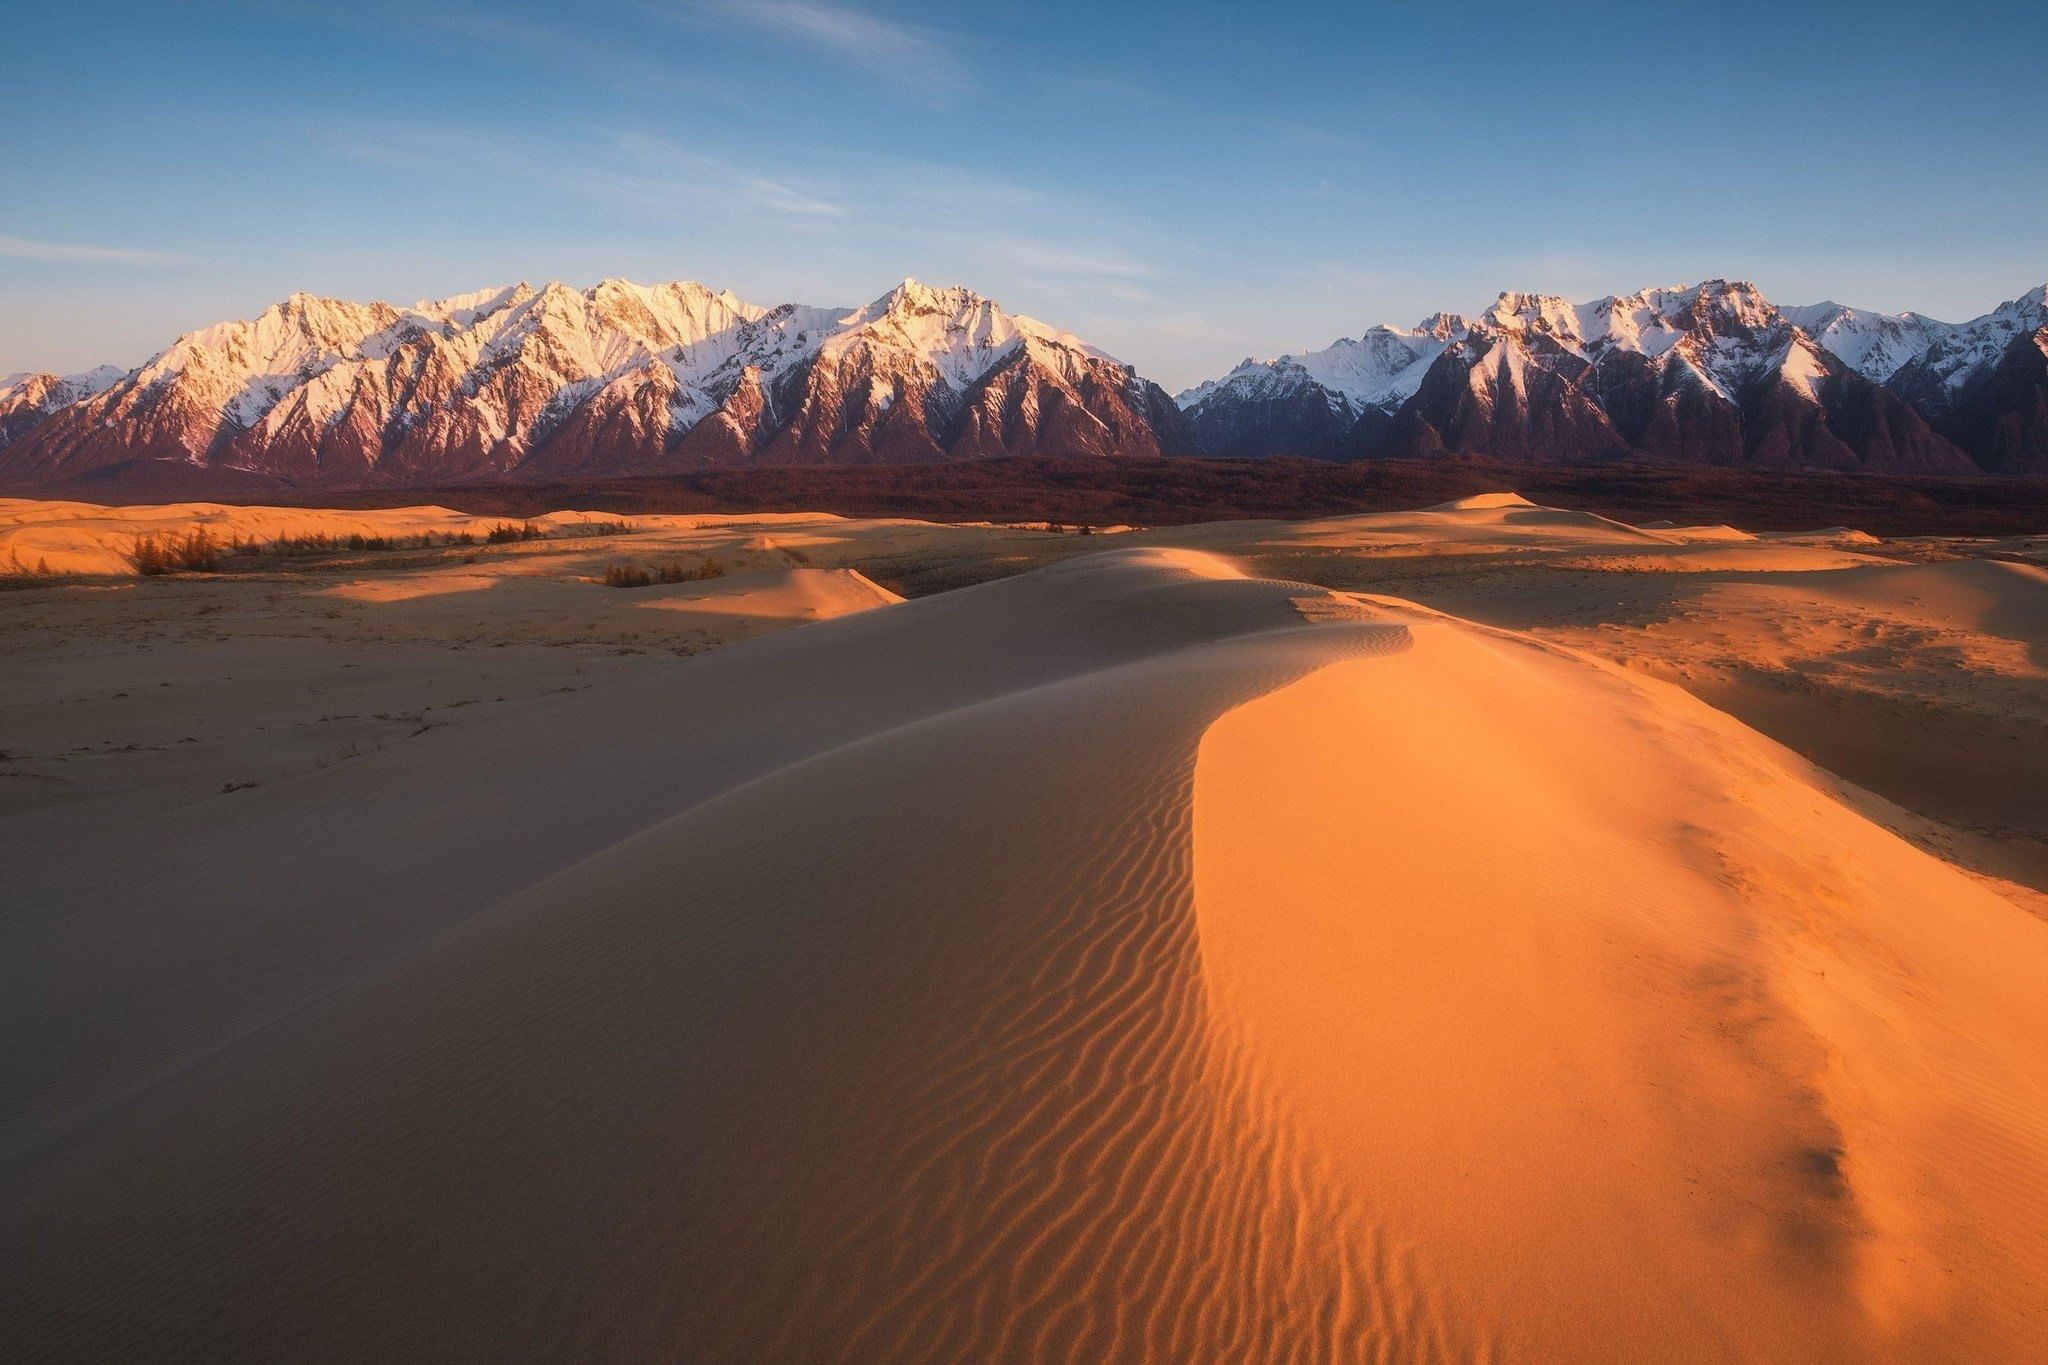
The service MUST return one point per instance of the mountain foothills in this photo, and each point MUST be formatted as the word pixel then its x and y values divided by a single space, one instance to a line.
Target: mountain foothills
pixel 1711 374
pixel 623 378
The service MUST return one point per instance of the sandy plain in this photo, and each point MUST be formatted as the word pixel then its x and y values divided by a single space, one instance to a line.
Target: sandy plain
pixel 1491 931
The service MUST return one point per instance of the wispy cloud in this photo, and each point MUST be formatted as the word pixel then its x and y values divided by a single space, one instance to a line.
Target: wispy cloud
pixel 660 167
pixel 22 249
pixel 912 57
pixel 646 175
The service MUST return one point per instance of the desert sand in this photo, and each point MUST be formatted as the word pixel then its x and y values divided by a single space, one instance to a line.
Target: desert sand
pixel 1488 932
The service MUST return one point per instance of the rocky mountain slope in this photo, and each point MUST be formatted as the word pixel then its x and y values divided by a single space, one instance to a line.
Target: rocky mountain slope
pixel 617 378
pixel 1711 374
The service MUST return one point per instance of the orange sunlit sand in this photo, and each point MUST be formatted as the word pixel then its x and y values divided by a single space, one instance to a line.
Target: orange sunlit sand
pixel 1381 937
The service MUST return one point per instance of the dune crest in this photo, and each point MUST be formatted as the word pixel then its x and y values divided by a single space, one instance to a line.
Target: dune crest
pixel 1131 959
pixel 1481 502
pixel 1538 955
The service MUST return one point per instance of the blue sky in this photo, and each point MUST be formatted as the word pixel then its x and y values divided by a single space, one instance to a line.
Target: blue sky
pixel 1180 184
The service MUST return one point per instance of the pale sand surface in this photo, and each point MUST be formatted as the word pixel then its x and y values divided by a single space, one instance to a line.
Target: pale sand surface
pixel 1130 959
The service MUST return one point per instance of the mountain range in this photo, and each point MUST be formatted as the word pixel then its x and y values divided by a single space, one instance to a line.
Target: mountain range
pixel 622 378
pixel 617 378
pixel 1711 374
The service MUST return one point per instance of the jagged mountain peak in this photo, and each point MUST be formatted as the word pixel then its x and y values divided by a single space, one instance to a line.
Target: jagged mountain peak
pixel 315 317
pixel 2029 310
pixel 960 334
pixel 913 297
pixel 1722 304
pixel 464 309
pixel 1650 321
pixel 29 397
pixel 1709 371
pixel 84 382
pixel 684 292
pixel 616 375
pixel 1300 402
pixel 299 316
pixel 1516 304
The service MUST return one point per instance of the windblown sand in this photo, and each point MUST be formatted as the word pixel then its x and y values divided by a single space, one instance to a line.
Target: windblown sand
pixel 1127 958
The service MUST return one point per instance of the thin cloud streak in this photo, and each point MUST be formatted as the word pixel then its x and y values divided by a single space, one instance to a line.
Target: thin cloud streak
pixel 22 249
pixel 648 175
pixel 910 56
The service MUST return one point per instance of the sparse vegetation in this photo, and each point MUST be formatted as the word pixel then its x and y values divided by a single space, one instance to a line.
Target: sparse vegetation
pixel 315 542
pixel 15 572
pixel 200 550
pixel 195 551
pixel 14 565
pixel 626 574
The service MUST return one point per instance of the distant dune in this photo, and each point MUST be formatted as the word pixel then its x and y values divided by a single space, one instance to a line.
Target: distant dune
pixel 1128 959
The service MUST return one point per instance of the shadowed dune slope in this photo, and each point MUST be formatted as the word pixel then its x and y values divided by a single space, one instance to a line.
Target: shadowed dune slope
pixel 1128 960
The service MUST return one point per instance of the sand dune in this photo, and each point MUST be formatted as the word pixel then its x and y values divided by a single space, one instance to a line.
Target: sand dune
pixel 1130 959
pixel 773 596
pixel 86 538
pixel 1508 525
pixel 1921 681
pixel 1927 683
pixel 1695 1059
pixel 722 610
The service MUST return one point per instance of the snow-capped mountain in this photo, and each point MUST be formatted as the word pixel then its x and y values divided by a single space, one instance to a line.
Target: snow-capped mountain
pixel 1712 373
pixel 615 378
pixel 1879 345
pixel 625 378
pixel 1875 345
pixel 26 399
pixel 1300 404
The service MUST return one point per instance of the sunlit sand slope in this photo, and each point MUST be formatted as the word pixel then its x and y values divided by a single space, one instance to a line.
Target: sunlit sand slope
pixel 1129 960
pixel 1632 1038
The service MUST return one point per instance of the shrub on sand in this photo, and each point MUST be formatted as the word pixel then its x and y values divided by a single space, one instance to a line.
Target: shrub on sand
pixel 196 551
pixel 625 574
